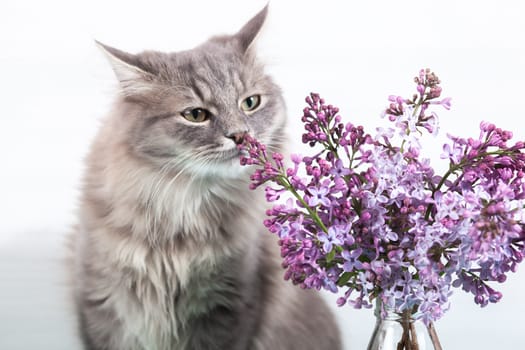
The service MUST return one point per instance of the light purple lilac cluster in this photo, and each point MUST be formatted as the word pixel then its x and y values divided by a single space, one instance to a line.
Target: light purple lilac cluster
pixel 367 217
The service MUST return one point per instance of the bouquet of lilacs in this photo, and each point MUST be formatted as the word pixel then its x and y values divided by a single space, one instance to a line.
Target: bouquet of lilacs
pixel 366 215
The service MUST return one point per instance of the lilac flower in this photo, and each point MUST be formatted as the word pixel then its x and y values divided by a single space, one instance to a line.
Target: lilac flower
pixel 372 219
pixel 454 153
pixel 339 170
pixel 333 236
pixel 351 260
pixel 318 196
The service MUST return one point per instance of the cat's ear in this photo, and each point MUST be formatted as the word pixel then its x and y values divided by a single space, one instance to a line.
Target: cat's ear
pixel 134 78
pixel 246 36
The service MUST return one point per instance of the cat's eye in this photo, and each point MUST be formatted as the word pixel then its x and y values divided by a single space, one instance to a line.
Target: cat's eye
pixel 251 103
pixel 196 115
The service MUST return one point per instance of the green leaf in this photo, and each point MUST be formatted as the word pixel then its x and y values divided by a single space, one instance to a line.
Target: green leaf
pixel 330 256
pixel 343 279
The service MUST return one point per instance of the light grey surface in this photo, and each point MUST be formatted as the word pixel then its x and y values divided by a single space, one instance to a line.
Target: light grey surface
pixel 55 85
pixel 35 312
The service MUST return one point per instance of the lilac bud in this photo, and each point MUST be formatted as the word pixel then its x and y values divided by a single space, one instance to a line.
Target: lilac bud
pixel 277 157
pixel 341 301
pixel 446 103
pixel 308 101
pixel 365 216
pixel 495 296
pixel 486 126
pixel 474 143
pixel 480 300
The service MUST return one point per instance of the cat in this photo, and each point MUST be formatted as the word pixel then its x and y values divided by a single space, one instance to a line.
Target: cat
pixel 169 251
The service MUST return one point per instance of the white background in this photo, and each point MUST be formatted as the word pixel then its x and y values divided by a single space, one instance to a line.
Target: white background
pixel 55 85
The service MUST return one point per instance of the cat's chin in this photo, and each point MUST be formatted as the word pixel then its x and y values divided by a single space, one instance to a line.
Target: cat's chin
pixel 227 166
pixel 228 169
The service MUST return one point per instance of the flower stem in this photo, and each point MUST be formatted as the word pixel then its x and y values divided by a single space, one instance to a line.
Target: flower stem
pixel 283 181
pixel 453 168
pixel 434 337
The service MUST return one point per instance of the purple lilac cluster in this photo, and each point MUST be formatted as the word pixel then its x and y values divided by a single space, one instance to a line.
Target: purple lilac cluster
pixel 367 217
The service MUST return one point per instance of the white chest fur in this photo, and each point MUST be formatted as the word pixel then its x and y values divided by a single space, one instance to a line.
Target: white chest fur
pixel 156 243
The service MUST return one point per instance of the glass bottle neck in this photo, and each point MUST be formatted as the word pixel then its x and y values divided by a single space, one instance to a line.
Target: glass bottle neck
pixel 384 312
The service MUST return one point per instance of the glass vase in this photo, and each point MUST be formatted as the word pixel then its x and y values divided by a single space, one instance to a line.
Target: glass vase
pixel 401 331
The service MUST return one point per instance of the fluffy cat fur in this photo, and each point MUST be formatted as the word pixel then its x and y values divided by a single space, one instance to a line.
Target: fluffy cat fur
pixel 169 251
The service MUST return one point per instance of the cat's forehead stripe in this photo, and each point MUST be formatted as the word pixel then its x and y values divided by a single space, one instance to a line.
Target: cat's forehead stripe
pixel 200 88
pixel 215 82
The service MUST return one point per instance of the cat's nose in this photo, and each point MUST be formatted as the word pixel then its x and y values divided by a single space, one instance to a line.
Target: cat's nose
pixel 237 137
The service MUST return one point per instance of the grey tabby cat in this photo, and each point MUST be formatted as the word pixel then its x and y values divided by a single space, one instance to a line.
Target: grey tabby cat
pixel 170 252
